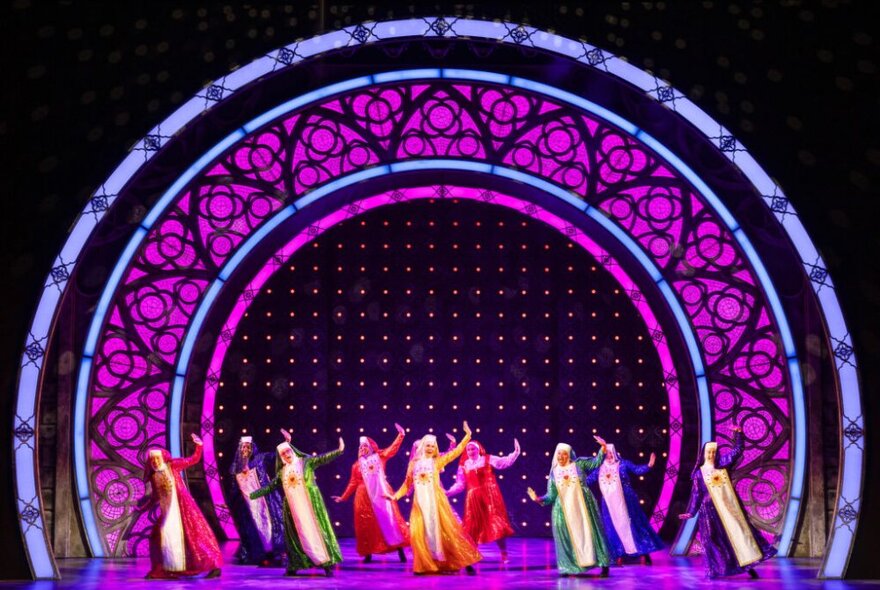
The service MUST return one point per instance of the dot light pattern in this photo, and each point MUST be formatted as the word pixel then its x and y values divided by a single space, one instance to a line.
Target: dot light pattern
pixel 432 312
pixel 696 253
pixel 569 377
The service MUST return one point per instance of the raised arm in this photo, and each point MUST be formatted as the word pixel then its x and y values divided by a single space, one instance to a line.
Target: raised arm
pixel 323 459
pixel 504 462
pixel 394 447
pixel 187 462
pixel 725 460
pixel 447 458
pixel 459 484
pixel 638 469
pixel 266 490
pixel 588 465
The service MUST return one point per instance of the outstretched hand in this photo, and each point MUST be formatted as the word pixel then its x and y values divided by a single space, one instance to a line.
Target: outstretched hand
pixel 336 499
pixel 196 439
pixel 286 435
pixel 515 446
pixel 652 459
pixel 466 428
pixel 532 495
pixel 451 438
pixel 341 444
pixel 400 429
pixel 599 440
pixel 685 516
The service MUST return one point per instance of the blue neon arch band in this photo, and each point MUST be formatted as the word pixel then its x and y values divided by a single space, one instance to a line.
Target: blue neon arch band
pixel 799 417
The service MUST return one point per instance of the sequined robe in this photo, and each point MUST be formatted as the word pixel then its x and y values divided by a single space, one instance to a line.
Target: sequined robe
pixel 719 553
pixel 201 551
pixel 577 534
pixel 439 544
pixel 485 514
pixel 378 524
pixel 629 513
pixel 297 555
pixel 252 548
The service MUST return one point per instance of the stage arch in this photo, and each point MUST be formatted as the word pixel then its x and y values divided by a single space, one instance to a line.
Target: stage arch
pixel 516 128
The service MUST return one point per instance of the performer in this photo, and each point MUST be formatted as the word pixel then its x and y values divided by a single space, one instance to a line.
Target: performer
pixel 307 529
pixel 731 544
pixel 378 525
pixel 626 527
pixel 577 531
pixel 438 542
pixel 259 522
pixel 181 544
pixel 485 514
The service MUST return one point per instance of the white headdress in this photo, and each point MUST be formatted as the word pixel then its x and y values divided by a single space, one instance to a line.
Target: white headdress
pixel 428 438
pixel 561 447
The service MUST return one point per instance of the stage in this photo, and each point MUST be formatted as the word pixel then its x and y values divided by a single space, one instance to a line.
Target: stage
pixel 532 565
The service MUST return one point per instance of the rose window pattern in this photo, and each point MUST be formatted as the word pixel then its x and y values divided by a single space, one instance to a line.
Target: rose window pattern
pixel 137 349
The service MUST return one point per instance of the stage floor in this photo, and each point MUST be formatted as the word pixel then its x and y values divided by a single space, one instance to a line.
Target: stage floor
pixel 532 566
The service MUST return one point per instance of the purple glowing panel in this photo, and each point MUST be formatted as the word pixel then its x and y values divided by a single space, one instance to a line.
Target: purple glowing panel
pixel 185 249
pixel 280 260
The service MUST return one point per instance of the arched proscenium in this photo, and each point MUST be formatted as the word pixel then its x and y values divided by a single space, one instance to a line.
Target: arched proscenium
pixel 370 126
pixel 347 211
pixel 28 498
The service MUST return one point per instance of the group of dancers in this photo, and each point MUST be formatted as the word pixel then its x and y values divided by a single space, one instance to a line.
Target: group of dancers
pixel 280 512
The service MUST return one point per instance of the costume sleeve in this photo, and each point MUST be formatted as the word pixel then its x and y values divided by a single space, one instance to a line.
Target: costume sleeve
pixel 593 476
pixel 732 456
pixel 459 484
pixel 588 465
pixel 447 458
pixel 407 483
pixel 392 449
pixel 551 494
pixel 352 482
pixel 696 496
pixel 635 469
pixel 187 462
pixel 266 490
pixel 323 459
pixel 503 462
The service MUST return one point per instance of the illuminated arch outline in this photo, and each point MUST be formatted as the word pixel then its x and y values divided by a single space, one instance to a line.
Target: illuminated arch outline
pixel 98 331
pixel 847 508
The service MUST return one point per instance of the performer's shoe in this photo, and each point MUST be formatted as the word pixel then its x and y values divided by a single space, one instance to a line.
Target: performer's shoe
pixel 401 555
pixel 214 573
pixel 646 559
pixel 619 561
pixel 505 558
pixel 752 574
pixel 470 570
pixel 368 558
pixel 604 572
pixel 328 571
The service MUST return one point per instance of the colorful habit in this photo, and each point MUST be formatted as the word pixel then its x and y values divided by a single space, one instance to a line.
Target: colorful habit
pixel 485 514
pixel 439 544
pixel 260 522
pixel 181 544
pixel 577 531
pixel 731 544
pixel 378 524
pixel 626 527
pixel 308 533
